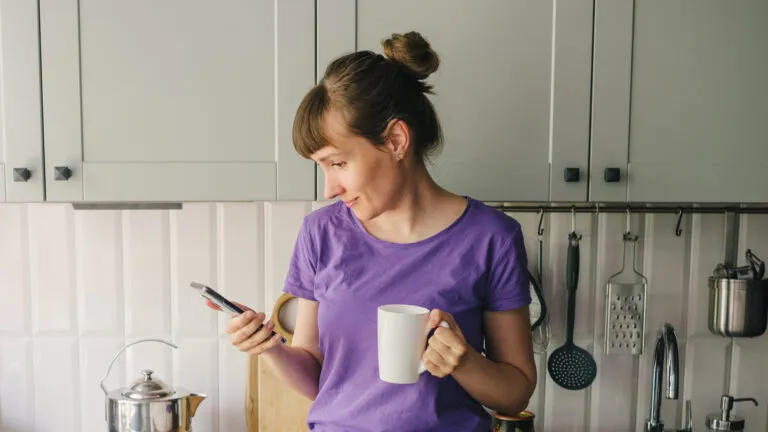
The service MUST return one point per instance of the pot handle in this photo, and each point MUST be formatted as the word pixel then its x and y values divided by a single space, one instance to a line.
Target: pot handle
pixel 103 388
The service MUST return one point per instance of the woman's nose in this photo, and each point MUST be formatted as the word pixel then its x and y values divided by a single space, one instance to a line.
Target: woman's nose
pixel 332 188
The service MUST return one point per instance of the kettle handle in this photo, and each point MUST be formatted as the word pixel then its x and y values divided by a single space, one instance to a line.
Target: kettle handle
pixel 103 388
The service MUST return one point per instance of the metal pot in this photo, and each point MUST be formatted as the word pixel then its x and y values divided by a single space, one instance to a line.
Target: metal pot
pixel 148 404
pixel 738 307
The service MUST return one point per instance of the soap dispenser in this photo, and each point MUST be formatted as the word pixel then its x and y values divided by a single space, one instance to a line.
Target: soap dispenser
pixel 723 420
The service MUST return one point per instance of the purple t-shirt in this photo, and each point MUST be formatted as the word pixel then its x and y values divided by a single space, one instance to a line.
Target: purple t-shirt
pixel 476 264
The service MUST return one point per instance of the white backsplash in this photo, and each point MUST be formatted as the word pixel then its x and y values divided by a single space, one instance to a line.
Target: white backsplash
pixel 76 286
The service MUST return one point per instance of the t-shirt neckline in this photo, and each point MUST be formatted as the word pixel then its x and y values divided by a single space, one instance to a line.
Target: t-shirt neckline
pixel 434 237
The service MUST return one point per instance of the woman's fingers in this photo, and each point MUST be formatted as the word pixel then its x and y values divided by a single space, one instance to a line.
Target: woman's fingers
pixel 243 326
pixel 266 345
pixel 254 338
pixel 212 305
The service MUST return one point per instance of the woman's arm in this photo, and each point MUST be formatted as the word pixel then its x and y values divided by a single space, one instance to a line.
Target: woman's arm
pixel 505 380
pixel 298 365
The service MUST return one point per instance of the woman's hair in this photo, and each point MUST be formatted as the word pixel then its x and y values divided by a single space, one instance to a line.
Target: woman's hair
pixel 370 90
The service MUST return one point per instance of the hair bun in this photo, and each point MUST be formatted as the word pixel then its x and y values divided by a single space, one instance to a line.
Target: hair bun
pixel 412 51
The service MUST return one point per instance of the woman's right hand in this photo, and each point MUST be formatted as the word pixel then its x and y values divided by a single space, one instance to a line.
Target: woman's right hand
pixel 243 335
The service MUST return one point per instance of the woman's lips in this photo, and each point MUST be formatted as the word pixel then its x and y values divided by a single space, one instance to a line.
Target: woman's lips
pixel 351 202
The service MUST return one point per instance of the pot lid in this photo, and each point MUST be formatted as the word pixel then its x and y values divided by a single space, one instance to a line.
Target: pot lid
pixel 147 388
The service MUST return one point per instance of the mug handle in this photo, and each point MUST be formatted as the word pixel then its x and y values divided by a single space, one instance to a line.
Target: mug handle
pixel 422 367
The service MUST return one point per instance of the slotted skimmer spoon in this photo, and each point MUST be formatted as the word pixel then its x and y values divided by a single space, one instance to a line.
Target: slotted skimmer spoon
pixel 570 366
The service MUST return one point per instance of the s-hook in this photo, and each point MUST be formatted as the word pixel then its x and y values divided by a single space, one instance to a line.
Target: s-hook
pixel 678 230
pixel 573 234
pixel 627 234
pixel 540 230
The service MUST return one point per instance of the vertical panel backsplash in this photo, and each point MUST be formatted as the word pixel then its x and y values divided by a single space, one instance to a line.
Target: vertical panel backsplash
pixel 146 275
pixel 240 235
pixel 78 286
pixel 99 293
pixel 52 271
pixel 14 271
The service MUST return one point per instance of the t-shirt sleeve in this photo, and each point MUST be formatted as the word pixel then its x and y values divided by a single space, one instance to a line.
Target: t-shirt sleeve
pixel 300 279
pixel 508 281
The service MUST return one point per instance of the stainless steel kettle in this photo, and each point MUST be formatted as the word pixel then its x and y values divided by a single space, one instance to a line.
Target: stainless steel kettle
pixel 148 404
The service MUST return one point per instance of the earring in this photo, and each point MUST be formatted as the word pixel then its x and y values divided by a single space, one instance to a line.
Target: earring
pixel 399 156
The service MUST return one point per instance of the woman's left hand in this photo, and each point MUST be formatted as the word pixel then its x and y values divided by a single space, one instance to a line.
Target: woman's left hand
pixel 447 347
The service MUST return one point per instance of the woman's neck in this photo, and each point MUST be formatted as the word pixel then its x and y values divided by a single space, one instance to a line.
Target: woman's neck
pixel 422 210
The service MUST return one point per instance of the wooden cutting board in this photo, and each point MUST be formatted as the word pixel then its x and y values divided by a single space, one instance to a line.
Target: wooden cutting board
pixel 271 405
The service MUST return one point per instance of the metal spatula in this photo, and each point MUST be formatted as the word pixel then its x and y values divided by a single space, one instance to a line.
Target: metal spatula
pixel 570 366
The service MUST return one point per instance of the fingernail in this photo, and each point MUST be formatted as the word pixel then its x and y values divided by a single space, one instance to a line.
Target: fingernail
pixel 262 316
pixel 250 314
pixel 270 325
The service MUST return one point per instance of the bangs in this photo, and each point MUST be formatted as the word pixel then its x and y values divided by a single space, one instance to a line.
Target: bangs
pixel 308 136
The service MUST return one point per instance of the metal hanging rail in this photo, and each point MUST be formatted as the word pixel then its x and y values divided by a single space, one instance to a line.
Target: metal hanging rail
pixel 729 210
pixel 596 208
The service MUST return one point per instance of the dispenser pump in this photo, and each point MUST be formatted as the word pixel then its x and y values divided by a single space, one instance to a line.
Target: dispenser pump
pixel 724 420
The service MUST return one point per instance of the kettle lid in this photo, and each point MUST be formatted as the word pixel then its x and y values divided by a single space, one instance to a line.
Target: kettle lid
pixel 147 388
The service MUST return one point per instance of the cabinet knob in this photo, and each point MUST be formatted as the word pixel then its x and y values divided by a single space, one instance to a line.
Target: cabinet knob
pixel 62 173
pixel 572 175
pixel 612 175
pixel 21 174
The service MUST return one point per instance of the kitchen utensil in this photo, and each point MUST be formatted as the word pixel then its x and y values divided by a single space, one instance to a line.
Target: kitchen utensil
pixel 625 306
pixel 724 420
pixel 542 334
pixel 148 404
pixel 756 264
pixel 738 307
pixel 570 366
pixel 537 308
pixel 754 267
pixel 726 272
pixel 688 420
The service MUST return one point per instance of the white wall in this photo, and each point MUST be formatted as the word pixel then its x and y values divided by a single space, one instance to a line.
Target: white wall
pixel 76 286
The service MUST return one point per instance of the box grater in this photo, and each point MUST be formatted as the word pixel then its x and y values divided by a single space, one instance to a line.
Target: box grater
pixel 625 304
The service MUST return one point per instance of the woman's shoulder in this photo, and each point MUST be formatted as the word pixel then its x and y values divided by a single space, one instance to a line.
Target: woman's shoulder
pixel 492 223
pixel 328 215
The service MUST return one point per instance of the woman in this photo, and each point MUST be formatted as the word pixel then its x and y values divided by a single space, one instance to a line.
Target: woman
pixel 395 236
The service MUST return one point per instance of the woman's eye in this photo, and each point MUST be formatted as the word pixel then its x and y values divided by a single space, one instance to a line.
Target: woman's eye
pixel 338 164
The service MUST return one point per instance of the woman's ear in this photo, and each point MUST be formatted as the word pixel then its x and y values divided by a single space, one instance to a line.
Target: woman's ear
pixel 398 138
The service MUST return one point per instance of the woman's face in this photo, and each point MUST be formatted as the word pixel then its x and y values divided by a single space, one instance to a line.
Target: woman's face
pixel 367 178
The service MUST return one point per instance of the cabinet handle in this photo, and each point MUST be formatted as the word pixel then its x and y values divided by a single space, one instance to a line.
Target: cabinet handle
pixel 21 174
pixel 612 175
pixel 62 173
pixel 572 175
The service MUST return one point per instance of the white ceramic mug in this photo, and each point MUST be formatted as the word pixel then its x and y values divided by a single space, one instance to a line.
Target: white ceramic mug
pixel 402 340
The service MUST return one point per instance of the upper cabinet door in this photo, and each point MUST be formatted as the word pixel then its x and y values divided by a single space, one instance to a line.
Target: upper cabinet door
pixel 680 101
pixel 21 134
pixel 175 100
pixel 513 87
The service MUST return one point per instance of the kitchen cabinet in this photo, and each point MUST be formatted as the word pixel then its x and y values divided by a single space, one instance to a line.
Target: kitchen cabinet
pixel 21 145
pixel 679 97
pixel 175 100
pixel 513 87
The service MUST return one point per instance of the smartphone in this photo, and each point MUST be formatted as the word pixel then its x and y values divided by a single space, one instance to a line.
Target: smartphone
pixel 216 298
pixel 220 301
